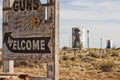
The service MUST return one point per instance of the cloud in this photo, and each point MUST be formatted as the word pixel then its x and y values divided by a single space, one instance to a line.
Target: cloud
pixel 89 15
pixel 92 10
pixel 95 3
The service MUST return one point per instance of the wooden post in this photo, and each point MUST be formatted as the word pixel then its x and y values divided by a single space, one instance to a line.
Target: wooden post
pixel 55 54
pixel 50 70
pixel 8 65
pixel 56 60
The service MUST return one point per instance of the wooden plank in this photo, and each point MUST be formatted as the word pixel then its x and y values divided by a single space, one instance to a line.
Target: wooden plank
pixel 27 39
pixel 7 8
pixel 8 65
pixel 5 24
pixel 50 70
pixel 13 76
pixel 40 78
pixel 55 16
pixel 56 55
pixel 36 56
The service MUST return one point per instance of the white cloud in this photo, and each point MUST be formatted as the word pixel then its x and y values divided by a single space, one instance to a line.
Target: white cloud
pixel 95 3
pixel 89 15
pixel 102 10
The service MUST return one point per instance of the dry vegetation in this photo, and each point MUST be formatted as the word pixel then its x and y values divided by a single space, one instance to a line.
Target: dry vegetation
pixel 78 65
pixel 93 65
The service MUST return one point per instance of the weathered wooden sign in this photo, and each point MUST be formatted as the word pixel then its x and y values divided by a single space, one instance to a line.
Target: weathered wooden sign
pixel 30 32
pixel 27 32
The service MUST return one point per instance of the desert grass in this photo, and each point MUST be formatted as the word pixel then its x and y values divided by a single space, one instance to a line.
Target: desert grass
pixel 96 64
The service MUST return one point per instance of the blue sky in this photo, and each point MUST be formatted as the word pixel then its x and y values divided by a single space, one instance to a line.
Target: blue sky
pixel 0 23
pixel 100 17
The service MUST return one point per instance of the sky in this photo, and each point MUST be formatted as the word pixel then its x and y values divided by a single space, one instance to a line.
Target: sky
pixel 100 17
pixel 0 23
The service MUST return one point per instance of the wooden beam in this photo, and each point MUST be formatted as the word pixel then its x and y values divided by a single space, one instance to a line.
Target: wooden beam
pixel 56 40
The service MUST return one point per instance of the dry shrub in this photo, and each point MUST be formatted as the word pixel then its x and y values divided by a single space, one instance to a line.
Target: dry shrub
pixel 65 58
pixel 109 52
pixel 115 54
pixel 72 58
pixel 96 64
pixel 87 59
pixel 95 55
pixel 107 66
pixel 75 58
pixel 63 78
pixel 104 56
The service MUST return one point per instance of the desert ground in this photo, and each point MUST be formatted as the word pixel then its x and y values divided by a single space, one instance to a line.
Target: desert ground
pixel 92 64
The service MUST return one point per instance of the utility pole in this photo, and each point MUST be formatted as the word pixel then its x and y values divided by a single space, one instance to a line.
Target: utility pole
pixel 69 40
pixel 100 50
pixel 101 43
pixel 88 41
